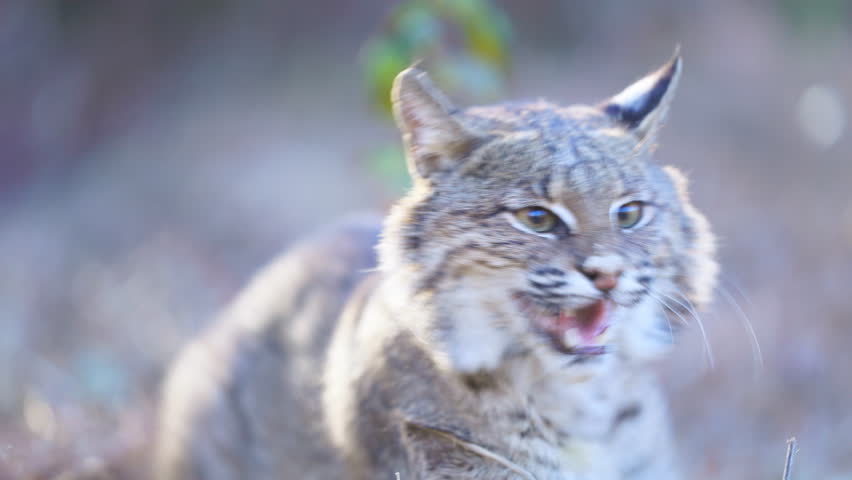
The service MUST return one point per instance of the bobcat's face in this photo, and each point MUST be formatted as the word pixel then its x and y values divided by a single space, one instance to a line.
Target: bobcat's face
pixel 545 230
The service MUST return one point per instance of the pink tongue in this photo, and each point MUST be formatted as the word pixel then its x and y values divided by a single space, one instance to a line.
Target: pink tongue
pixel 591 321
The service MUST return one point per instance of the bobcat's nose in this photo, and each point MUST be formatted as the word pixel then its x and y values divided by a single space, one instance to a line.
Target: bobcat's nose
pixel 602 271
pixel 604 281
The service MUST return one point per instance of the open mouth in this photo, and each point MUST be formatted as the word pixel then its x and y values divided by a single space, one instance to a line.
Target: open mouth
pixel 579 331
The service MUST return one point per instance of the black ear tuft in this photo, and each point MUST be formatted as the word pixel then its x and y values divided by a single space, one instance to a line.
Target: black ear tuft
pixel 641 107
pixel 632 115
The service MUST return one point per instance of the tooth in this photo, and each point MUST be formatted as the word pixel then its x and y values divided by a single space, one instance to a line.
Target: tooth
pixel 572 337
pixel 604 336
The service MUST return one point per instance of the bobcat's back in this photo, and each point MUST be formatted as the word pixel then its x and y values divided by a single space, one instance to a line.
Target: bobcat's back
pixel 237 389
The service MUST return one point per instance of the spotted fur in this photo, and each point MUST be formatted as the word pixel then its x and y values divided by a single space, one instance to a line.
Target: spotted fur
pixel 435 368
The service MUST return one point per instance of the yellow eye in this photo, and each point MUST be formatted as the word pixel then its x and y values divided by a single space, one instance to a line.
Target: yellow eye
pixel 537 219
pixel 630 214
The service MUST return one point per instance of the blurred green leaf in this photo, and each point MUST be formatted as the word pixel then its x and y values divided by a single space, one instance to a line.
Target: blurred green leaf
pixel 383 60
pixel 486 29
pixel 815 16
pixel 463 43
pixel 388 165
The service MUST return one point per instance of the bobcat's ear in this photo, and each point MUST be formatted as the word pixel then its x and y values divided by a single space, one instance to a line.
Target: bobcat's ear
pixel 434 138
pixel 641 107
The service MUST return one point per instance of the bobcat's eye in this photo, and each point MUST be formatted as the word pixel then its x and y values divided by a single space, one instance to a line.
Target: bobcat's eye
pixel 537 219
pixel 630 214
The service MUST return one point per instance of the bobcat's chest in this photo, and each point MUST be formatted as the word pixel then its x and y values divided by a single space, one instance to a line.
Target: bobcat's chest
pixel 567 434
pixel 573 459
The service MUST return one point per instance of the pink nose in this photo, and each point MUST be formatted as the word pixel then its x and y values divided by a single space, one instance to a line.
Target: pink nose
pixel 603 281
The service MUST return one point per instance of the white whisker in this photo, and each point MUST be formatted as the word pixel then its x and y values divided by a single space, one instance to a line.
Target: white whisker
pixel 730 281
pixel 666 307
pixel 708 350
pixel 686 307
pixel 700 322
pixel 756 351
pixel 653 293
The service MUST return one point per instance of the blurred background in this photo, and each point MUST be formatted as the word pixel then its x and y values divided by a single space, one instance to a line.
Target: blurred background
pixel 154 154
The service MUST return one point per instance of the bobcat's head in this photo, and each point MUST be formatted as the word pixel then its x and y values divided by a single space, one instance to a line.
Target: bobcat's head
pixel 538 229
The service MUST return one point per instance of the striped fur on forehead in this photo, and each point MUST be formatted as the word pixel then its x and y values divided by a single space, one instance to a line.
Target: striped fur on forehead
pixel 529 155
pixel 559 150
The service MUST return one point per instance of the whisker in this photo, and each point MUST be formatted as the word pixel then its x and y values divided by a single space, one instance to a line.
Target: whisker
pixel 707 347
pixel 671 330
pixel 756 351
pixel 700 323
pixel 667 307
pixel 688 305
pixel 652 291
pixel 708 350
pixel 731 283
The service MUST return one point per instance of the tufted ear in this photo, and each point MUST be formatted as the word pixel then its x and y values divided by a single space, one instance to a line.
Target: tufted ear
pixel 641 107
pixel 434 138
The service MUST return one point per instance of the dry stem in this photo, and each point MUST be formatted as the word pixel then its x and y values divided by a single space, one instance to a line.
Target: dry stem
pixel 788 463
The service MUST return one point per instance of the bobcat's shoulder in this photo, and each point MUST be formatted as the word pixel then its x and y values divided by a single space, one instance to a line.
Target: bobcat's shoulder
pixel 240 401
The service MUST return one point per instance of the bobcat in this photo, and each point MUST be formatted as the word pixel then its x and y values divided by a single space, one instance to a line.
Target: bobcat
pixel 521 289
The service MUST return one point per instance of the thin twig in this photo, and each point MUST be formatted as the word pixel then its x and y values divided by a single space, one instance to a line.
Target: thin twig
pixel 788 463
